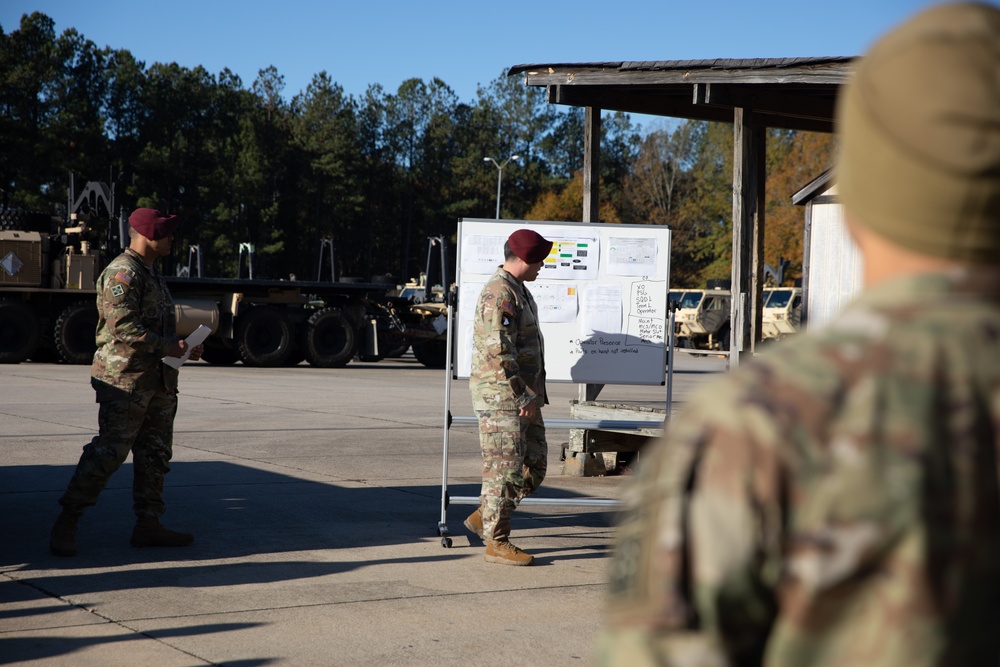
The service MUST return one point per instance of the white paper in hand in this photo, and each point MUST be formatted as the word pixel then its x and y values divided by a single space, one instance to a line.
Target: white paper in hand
pixel 196 338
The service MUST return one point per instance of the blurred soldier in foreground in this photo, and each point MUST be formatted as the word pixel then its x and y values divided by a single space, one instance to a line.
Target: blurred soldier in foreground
pixel 507 382
pixel 837 501
pixel 136 391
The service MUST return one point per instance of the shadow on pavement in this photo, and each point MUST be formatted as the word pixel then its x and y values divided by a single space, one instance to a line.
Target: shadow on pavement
pixel 43 647
pixel 238 511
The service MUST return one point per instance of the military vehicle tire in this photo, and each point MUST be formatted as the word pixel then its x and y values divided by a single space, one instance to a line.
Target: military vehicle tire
pixel 391 345
pixel 431 353
pixel 398 351
pixel 18 332
pixel 219 355
pixel 264 337
pixel 723 338
pixel 330 339
pixel 75 333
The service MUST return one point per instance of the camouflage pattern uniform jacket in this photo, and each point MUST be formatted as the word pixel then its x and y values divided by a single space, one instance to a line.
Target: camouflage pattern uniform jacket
pixel 836 501
pixel 136 327
pixel 508 367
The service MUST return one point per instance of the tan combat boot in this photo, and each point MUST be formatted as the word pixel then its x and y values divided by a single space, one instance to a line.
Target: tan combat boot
pixel 149 533
pixel 63 539
pixel 505 553
pixel 475 523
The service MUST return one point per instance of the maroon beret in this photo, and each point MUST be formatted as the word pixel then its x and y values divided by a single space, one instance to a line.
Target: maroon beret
pixel 529 245
pixel 153 224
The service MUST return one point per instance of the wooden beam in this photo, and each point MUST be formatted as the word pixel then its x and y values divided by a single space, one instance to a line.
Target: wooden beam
pixel 758 119
pixel 748 233
pixel 673 105
pixel 758 181
pixel 591 164
pixel 812 107
pixel 654 103
pixel 591 197
pixel 828 74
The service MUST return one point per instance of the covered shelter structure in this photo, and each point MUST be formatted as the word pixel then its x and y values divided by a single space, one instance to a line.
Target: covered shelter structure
pixel 751 94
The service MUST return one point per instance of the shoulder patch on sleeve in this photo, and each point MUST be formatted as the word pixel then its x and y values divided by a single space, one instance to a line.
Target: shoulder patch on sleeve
pixel 123 277
pixel 507 307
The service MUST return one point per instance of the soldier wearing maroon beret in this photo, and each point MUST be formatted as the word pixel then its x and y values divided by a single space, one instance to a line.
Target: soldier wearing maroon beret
pixel 507 382
pixel 136 391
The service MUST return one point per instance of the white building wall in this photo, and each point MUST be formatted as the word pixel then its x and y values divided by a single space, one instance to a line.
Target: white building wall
pixel 835 270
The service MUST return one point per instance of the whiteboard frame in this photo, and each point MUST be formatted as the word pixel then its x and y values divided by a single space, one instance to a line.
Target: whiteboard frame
pixel 570 356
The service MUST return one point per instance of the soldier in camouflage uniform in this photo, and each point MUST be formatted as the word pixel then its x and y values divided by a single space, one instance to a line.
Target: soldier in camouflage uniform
pixel 836 501
pixel 507 382
pixel 136 391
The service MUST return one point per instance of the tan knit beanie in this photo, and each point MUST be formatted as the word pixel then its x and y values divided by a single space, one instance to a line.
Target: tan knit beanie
pixel 919 126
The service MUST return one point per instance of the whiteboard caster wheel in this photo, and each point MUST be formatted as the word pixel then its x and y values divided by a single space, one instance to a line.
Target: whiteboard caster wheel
pixel 446 542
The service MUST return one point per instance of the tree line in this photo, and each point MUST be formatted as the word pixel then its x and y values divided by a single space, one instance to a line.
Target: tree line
pixel 376 174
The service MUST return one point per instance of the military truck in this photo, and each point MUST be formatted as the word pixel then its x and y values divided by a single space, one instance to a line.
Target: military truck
pixel 701 320
pixel 782 313
pixel 48 271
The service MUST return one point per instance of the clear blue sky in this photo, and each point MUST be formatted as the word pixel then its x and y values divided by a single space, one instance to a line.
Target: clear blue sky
pixel 463 42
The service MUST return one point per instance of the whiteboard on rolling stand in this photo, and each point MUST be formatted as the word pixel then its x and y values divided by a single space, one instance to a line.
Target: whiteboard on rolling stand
pixel 601 295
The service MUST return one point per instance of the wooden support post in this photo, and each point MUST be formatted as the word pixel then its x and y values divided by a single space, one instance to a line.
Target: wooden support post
pixel 591 197
pixel 591 164
pixel 748 235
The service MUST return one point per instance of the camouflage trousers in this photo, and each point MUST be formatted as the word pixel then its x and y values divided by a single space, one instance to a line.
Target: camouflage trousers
pixel 142 423
pixel 515 456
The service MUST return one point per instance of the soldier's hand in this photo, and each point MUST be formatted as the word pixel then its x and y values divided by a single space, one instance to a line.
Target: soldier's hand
pixel 178 349
pixel 196 352
pixel 530 411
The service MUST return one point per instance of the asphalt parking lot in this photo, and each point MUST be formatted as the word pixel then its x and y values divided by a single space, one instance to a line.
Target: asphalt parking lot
pixel 314 496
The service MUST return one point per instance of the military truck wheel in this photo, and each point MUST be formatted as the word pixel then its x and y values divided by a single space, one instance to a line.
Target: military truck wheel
pixel 723 338
pixel 431 353
pixel 219 355
pixel 330 340
pixel 75 333
pixel 392 344
pixel 264 337
pixel 398 351
pixel 18 332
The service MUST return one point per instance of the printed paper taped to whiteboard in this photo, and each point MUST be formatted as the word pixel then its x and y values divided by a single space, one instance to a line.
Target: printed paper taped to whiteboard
pixel 632 256
pixel 196 338
pixel 600 309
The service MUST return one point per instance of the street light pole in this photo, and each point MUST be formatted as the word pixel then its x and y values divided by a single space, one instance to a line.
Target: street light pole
pixel 500 166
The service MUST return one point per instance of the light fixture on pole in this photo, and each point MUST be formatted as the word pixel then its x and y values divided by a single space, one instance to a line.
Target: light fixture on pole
pixel 500 166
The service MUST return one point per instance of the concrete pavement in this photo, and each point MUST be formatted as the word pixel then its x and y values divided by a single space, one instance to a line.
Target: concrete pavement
pixel 314 496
